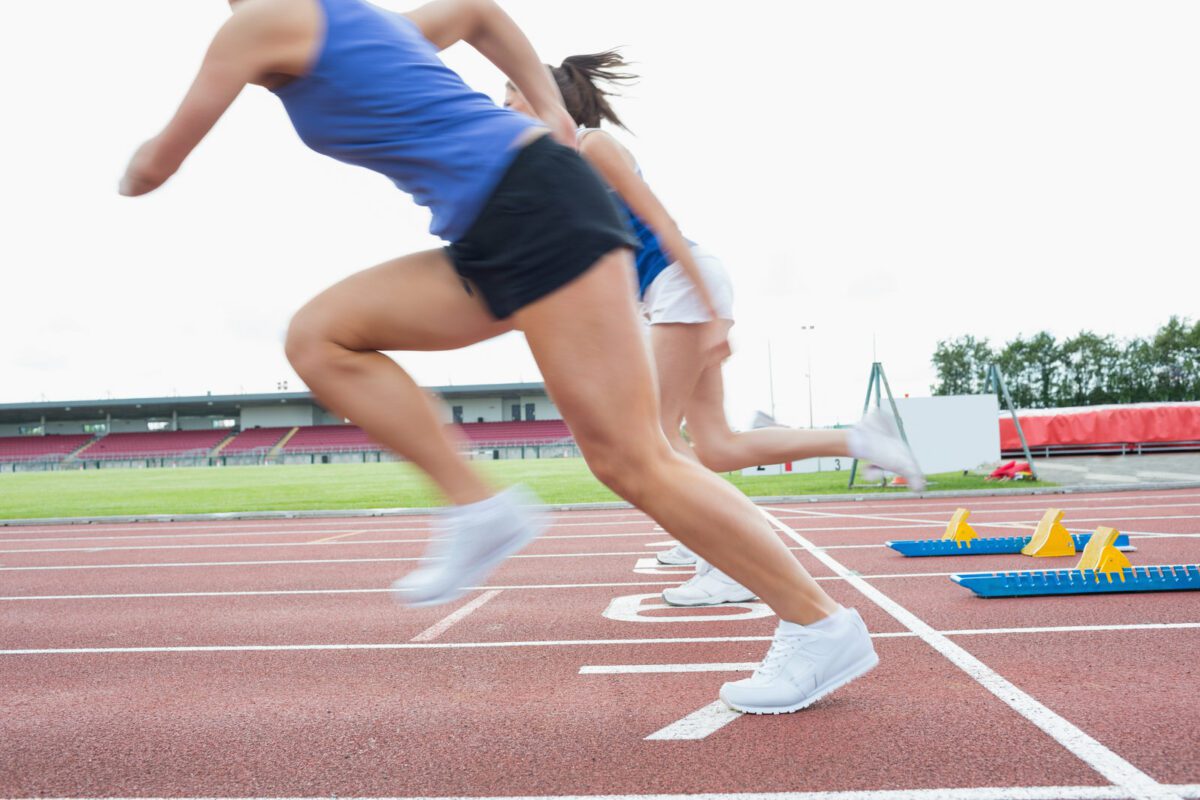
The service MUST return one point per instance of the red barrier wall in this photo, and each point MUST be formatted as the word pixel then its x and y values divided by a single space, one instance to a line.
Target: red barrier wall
pixel 1134 424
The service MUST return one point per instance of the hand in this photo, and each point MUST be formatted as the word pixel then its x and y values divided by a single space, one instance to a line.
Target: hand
pixel 141 176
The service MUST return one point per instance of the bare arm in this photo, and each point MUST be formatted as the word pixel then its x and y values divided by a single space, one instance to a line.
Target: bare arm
pixel 603 152
pixel 259 39
pixel 484 25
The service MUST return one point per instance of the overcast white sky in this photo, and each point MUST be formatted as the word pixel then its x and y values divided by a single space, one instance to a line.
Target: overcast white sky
pixel 904 170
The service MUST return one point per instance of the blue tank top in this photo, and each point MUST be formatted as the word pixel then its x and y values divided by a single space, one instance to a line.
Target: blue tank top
pixel 379 97
pixel 651 259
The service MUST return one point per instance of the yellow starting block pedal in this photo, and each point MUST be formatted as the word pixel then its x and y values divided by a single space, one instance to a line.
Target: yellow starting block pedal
pixel 960 539
pixel 959 530
pixel 1051 539
pixel 1101 556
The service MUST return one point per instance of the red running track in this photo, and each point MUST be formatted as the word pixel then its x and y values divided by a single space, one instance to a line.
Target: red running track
pixel 249 658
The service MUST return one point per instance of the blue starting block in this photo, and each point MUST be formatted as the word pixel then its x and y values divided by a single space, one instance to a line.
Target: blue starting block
pixel 1037 583
pixel 1103 569
pixel 991 545
pixel 1049 539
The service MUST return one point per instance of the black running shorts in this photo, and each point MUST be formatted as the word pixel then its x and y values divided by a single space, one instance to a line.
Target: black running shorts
pixel 547 222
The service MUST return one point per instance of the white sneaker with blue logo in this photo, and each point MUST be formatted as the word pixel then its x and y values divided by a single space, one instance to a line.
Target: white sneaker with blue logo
pixel 805 663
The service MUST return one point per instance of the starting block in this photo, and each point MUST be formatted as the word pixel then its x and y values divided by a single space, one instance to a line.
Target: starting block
pixel 1102 569
pixel 1048 540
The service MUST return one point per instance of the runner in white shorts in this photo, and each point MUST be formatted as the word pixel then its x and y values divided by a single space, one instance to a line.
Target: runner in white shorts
pixel 688 303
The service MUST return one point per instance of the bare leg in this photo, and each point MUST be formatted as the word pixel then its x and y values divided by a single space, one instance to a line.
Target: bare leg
pixel 677 359
pixel 587 341
pixel 691 387
pixel 416 302
pixel 722 450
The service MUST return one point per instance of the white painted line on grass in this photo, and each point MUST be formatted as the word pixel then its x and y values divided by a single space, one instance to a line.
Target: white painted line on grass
pixel 698 724
pixel 438 628
pixel 1103 760
pixel 1189 791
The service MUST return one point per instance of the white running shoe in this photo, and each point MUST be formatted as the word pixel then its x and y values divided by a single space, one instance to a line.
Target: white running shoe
pixel 471 542
pixel 805 663
pixel 708 587
pixel 876 439
pixel 677 556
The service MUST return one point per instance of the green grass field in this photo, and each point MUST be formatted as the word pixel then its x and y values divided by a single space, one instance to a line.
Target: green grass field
pixel 343 486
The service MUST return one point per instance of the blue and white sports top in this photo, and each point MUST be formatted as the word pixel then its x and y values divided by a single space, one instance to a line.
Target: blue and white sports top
pixel 651 259
pixel 379 97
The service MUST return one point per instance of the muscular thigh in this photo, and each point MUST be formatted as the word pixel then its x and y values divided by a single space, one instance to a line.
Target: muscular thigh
pixel 588 342
pixel 416 302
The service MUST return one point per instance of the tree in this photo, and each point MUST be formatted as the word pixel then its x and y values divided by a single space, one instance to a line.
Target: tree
pixel 961 365
pixel 1090 366
pixel 1088 369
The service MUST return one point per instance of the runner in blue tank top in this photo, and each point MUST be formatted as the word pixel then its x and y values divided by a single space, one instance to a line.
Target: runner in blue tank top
pixel 535 244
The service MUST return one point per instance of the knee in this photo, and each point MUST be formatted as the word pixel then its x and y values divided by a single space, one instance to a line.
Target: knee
pixel 308 345
pixel 629 470
pixel 716 452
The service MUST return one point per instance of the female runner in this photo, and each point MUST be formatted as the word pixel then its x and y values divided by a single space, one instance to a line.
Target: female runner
pixel 535 245
pixel 687 300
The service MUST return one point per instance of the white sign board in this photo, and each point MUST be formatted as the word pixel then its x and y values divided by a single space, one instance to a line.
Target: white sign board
pixel 952 433
pixel 823 464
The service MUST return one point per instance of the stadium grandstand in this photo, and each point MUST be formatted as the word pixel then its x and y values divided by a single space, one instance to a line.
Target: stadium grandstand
pixel 497 421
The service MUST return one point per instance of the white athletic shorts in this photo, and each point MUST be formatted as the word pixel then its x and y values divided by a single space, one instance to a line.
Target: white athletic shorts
pixel 671 297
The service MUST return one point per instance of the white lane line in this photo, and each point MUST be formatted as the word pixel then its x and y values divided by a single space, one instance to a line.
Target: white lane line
pixel 286 592
pixel 254 648
pixel 1103 760
pixel 275 648
pixel 1143 626
pixel 100 548
pixel 438 628
pixel 1190 791
pixel 657 669
pixel 657 533
pixel 290 561
pixel 287 527
pixel 905 507
pixel 272 592
pixel 698 724
pixel 1017 524
pixel 747 666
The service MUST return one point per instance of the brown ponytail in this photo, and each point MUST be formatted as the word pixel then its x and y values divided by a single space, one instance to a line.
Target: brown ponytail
pixel 577 79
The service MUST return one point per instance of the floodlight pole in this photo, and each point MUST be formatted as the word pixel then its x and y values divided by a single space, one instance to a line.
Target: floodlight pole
pixel 771 377
pixel 808 339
